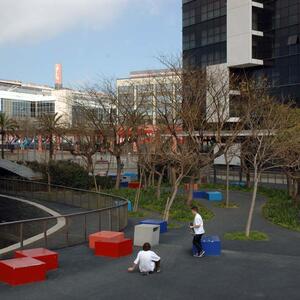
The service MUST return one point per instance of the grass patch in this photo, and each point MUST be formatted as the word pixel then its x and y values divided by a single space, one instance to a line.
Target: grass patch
pixel 180 212
pixel 240 236
pixel 223 205
pixel 280 209
pixel 173 225
pixel 137 214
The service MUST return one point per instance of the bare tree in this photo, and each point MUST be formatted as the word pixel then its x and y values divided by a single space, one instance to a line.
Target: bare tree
pixel 266 142
pixel 86 146
pixel 194 116
pixel 116 119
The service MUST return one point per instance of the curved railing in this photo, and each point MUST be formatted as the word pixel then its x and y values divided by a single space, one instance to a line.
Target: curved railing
pixel 86 212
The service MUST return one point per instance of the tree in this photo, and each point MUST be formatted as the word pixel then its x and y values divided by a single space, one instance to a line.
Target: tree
pixel 266 143
pixel 117 119
pixel 193 118
pixel 86 146
pixel 50 125
pixel 7 125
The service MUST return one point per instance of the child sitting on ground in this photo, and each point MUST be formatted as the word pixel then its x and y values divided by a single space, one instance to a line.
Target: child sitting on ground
pixel 147 260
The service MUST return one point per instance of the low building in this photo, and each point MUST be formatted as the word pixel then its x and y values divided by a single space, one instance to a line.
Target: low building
pixel 147 90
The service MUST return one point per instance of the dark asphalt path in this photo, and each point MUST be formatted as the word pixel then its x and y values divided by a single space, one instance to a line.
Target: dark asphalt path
pixel 246 270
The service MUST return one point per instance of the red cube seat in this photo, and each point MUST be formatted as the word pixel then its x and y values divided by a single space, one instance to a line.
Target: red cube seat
pixel 104 236
pixel 133 185
pixel 114 248
pixel 22 270
pixel 50 258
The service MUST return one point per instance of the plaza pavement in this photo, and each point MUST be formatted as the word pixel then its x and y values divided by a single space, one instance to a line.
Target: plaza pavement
pixel 245 270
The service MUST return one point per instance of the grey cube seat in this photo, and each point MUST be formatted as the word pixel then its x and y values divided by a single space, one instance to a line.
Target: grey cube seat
pixel 146 233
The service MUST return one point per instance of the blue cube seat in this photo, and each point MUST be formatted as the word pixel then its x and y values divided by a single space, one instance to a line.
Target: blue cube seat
pixel 126 179
pixel 133 176
pixel 238 183
pixel 214 196
pixel 163 224
pixel 211 245
pixel 124 184
pixel 199 195
pixel 129 206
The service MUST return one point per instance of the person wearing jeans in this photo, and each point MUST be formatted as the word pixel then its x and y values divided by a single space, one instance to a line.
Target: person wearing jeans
pixel 198 229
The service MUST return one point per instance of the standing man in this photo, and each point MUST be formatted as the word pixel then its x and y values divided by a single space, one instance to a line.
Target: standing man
pixel 198 229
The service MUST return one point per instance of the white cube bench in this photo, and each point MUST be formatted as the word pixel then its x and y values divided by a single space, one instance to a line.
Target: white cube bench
pixel 146 233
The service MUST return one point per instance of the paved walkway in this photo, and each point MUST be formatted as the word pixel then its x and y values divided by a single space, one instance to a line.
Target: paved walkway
pixel 246 270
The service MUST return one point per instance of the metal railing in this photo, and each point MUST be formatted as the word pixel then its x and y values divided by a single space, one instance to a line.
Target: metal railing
pixel 81 213
pixel 271 177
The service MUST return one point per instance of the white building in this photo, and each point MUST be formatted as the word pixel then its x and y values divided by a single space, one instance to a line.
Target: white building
pixel 145 88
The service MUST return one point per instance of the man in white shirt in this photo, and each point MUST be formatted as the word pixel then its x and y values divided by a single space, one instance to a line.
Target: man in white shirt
pixel 198 229
pixel 147 260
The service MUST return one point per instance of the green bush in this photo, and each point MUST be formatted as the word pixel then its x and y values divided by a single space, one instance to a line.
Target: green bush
pixel 241 236
pixel 104 182
pixel 179 211
pixel 69 174
pixel 280 209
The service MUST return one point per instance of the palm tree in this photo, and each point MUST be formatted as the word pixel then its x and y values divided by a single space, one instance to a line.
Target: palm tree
pixel 50 124
pixel 6 125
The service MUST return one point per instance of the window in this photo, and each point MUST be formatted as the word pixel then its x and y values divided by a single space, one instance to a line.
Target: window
pixel 189 41
pixel 293 40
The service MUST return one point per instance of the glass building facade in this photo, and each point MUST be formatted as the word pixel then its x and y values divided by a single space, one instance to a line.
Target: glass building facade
pixel 275 41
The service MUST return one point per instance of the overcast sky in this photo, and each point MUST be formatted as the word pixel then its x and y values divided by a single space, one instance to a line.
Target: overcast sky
pixel 90 38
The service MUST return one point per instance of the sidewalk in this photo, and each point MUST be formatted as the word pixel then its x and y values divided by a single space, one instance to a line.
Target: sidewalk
pixel 246 270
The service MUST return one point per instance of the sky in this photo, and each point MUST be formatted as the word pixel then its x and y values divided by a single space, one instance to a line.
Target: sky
pixel 90 38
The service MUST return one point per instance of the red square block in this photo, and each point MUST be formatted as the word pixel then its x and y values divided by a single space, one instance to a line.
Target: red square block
pixel 104 236
pixel 134 185
pixel 114 248
pixel 23 270
pixel 50 258
pixel 188 186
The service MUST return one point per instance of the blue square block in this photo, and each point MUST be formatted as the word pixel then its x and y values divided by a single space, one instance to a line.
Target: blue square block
pixel 199 195
pixel 124 184
pixel 211 245
pixel 129 206
pixel 238 183
pixel 214 196
pixel 132 175
pixel 163 224
pixel 126 179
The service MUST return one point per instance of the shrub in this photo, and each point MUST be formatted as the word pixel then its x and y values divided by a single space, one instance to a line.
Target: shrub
pixel 241 236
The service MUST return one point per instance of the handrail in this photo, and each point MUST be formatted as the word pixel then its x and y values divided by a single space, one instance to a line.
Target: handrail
pixel 61 216
pixel 110 214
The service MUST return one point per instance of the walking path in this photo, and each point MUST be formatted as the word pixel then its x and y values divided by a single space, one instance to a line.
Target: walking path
pixel 246 270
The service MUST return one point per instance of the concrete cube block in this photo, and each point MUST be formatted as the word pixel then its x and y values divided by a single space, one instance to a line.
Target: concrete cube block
pixel 146 233
pixel 163 224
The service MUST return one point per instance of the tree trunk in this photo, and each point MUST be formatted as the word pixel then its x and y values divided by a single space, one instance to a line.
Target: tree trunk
pixel 50 147
pixel 190 192
pixel 248 179
pixel 227 183
pixel 171 200
pixel 289 185
pixel 119 169
pixel 2 146
pixel 158 188
pixel 49 181
pixel 138 194
pixel 252 206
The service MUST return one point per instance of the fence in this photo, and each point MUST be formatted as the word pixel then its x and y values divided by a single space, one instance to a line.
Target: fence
pixel 271 178
pixel 93 212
